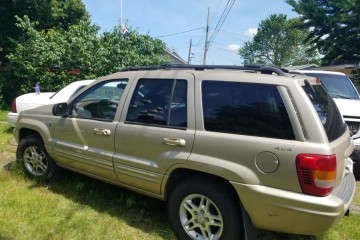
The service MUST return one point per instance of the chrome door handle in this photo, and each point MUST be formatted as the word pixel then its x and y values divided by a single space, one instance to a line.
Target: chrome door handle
pixel 174 142
pixel 102 131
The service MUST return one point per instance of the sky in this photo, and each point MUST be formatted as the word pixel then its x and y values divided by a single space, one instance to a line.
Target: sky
pixel 177 22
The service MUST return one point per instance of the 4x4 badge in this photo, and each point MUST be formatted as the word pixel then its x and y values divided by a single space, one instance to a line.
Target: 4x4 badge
pixel 283 149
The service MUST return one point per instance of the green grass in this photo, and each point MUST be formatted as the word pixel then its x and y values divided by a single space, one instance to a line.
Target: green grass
pixel 5 134
pixel 3 114
pixel 5 137
pixel 78 207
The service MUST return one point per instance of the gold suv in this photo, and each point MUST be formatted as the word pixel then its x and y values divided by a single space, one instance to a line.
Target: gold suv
pixel 228 147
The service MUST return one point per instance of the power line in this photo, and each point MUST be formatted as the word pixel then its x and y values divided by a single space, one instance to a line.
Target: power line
pixel 215 12
pixel 236 36
pixel 221 21
pixel 172 34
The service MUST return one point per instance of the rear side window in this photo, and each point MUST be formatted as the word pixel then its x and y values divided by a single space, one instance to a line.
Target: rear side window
pixel 327 110
pixel 245 108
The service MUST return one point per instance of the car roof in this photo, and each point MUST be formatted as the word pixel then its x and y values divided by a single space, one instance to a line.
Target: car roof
pixel 264 69
pixel 263 73
pixel 320 71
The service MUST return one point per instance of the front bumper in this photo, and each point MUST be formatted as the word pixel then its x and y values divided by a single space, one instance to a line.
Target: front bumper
pixel 357 143
pixel 290 212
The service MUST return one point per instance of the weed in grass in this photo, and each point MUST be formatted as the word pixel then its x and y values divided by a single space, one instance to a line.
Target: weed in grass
pixel 130 201
pixel 79 186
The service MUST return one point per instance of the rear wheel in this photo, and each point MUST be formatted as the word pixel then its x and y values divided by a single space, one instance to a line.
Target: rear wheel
pixel 203 209
pixel 37 163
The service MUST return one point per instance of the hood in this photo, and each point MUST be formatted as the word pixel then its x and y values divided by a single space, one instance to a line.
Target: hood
pixel 32 100
pixel 43 110
pixel 35 98
pixel 348 107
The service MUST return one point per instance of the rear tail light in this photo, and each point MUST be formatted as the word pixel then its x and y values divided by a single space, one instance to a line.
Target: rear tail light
pixel 316 173
pixel 13 106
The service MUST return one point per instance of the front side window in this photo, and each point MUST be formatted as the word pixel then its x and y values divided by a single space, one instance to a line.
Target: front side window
pixel 99 102
pixel 246 109
pixel 160 102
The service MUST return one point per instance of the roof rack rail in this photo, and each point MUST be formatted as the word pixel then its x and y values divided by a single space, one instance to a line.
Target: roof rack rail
pixel 264 69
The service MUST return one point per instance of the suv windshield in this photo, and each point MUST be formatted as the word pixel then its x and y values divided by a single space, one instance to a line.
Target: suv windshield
pixel 327 110
pixel 338 86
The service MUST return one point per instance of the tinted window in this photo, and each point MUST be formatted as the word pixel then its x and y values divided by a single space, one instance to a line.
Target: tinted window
pixel 101 101
pixel 338 86
pixel 161 102
pixel 245 108
pixel 327 111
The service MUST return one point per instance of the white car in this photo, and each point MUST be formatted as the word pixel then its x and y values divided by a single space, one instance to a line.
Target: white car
pixel 33 100
pixel 347 99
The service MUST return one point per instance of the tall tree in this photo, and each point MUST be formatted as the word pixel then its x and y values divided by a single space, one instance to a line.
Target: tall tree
pixel 48 13
pixel 334 24
pixel 278 42
pixel 52 57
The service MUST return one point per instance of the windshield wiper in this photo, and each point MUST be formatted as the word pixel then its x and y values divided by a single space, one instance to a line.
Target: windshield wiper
pixel 340 96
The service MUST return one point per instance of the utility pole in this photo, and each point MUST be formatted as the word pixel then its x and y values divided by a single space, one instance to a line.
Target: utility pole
pixel 121 23
pixel 189 56
pixel 206 38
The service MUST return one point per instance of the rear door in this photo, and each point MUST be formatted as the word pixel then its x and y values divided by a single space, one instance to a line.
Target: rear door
pixel 156 131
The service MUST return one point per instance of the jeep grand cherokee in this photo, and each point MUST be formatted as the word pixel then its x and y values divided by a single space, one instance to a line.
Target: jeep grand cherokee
pixel 227 147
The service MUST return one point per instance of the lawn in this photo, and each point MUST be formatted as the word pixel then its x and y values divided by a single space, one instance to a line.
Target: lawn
pixel 77 207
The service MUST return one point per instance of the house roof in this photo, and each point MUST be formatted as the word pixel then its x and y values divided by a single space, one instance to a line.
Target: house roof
pixel 175 58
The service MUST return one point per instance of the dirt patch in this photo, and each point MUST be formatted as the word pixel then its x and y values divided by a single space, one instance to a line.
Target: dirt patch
pixel 6 158
pixel 354 208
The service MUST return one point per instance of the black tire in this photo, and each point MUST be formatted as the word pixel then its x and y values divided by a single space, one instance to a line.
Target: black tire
pixel 202 209
pixel 356 170
pixel 34 158
pixel 355 156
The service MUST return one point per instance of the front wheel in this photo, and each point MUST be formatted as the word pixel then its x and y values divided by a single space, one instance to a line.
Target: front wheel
pixel 356 170
pixel 203 209
pixel 37 163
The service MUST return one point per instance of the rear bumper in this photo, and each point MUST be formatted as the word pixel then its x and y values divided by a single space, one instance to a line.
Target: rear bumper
pixel 12 118
pixel 297 213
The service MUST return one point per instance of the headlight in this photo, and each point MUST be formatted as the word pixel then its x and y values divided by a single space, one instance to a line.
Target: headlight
pixel 353 127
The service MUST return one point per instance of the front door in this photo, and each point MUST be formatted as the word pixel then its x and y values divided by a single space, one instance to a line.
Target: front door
pixel 84 141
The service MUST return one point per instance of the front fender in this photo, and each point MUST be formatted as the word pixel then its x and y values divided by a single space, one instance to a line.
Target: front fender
pixel 35 121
